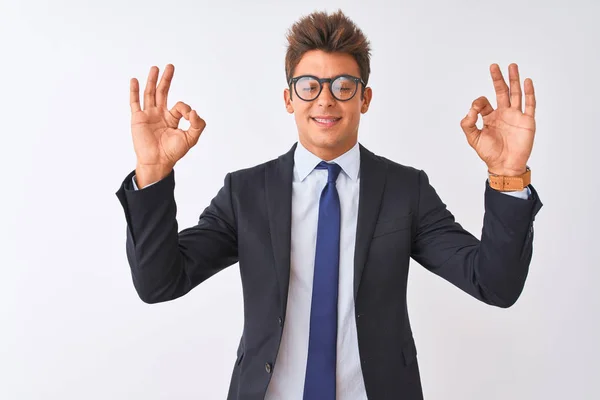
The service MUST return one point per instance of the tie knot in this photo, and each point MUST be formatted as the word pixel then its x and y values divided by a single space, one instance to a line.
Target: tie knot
pixel 333 169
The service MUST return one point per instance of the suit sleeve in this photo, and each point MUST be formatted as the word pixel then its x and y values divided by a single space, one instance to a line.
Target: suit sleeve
pixel 493 269
pixel 166 264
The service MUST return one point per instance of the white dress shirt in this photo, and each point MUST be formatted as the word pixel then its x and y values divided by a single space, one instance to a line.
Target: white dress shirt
pixel 287 382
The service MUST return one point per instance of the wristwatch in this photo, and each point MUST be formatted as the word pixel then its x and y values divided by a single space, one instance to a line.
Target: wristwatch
pixel 510 183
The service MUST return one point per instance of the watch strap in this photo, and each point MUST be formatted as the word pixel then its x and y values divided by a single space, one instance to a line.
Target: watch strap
pixel 510 183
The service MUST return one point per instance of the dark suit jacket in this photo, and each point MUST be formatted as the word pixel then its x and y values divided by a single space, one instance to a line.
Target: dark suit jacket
pixel 400 216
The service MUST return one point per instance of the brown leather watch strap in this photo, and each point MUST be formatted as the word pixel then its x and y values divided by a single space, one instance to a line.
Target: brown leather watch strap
pixel 510 183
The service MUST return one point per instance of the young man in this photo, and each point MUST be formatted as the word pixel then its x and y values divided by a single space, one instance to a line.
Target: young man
pixel 324 233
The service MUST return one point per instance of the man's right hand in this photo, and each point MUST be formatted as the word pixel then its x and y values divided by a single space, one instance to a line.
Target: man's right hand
pixel 157 140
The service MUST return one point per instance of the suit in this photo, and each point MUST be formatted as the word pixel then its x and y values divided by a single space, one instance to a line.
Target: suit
pixel 400 216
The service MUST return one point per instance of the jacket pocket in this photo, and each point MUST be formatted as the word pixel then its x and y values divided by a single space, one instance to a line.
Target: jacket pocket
pixel 387 226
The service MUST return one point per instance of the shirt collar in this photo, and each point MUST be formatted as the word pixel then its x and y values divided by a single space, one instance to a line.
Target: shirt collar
pixel 305 162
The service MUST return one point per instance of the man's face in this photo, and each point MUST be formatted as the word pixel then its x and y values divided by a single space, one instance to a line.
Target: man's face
pixel 327 127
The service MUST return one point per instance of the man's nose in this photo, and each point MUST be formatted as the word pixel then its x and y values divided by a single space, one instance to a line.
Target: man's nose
pixel 325 98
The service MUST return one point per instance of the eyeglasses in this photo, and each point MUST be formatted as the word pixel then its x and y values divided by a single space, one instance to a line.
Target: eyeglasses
pixel 342 87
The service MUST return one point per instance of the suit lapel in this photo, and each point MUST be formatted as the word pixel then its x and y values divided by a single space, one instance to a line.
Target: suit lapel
pixel 279 176
pixel 372 184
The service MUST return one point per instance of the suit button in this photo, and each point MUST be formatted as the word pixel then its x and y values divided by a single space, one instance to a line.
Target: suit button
pixel 268 368
pixel 280 320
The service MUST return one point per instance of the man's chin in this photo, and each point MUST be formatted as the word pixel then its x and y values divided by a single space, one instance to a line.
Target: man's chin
pixel 330 142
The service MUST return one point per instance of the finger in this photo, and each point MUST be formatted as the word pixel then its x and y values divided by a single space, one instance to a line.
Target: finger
pixel 134 95
pixel 162 92
pixel 500 86
pixel 529 98
pixel 482 106
pixel 197 125
pixel 150 91
pixel 469 128
pixel 515 87
pixel 180 110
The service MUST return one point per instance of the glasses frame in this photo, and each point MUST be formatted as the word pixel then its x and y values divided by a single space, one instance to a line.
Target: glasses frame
pixel 330 81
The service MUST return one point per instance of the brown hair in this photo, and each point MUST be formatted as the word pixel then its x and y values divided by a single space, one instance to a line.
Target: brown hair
pixel 330 33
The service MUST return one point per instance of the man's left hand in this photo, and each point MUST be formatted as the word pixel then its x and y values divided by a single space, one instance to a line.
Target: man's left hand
pixel 506 140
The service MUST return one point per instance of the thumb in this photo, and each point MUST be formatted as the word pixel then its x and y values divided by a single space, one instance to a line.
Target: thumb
pixel 197 125
pixel 469 128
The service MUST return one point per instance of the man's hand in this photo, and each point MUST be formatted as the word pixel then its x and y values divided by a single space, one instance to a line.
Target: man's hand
pixel 157 140
pixel 506 140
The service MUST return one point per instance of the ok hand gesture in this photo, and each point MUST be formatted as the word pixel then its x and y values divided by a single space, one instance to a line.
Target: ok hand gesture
pixel 157 140
pixel 506 140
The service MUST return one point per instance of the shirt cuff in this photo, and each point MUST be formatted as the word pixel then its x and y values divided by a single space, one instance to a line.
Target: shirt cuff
pixel 135 186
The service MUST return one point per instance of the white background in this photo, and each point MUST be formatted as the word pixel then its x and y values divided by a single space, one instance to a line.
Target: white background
pixel 72 326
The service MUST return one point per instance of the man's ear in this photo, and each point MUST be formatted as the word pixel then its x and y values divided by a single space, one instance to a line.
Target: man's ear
pixel 366 101
pixel 288 101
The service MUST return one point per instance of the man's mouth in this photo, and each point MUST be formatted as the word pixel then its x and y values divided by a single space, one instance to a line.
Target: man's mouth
pixel 326 121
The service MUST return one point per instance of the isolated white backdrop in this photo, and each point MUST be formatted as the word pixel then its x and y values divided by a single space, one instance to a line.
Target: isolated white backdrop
pixel 72 326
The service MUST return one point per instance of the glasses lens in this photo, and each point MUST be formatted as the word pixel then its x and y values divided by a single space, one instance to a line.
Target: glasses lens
pixel 343 88
pixel 307 88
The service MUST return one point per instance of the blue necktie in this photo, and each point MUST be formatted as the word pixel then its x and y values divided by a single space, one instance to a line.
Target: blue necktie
pixel 320 368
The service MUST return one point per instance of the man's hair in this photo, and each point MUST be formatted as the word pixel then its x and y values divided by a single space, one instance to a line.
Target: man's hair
pixel 332 33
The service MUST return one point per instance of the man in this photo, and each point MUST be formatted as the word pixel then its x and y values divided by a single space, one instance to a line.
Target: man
pixel 324 233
